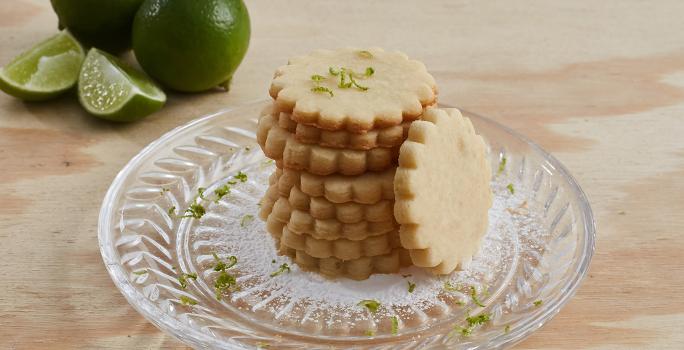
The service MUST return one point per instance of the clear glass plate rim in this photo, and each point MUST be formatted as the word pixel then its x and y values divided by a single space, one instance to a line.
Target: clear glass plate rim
pixel 196 338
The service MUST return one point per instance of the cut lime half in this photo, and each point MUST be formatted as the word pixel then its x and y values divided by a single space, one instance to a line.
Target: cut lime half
pixel 109 89
pixel 46 70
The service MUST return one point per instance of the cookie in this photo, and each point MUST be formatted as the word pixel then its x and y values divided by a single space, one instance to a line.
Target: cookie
pixel 392 136
pixel 281 145
pixel 302 222
pixel 353 89
pixel 348 213
pixel 368 188
pixel 343 249
pixel 358 269
pixel 442 191
pixel 268 201
pixel 282 118
pixel 330 229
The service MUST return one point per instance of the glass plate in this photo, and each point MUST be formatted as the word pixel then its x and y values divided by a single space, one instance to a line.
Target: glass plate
pixel 536 252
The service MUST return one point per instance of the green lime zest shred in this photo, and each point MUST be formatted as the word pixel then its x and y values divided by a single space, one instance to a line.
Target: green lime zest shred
pixel 473 295
pixel 222 265
pixel 465 331
pixel 502 165
pixel 411 286
pixel 364 54
pixel 478 320
pixel 195 210
pixel 184 277
pixel 246 220
pixel 224 282
pixel 241 176
pixel 322 89
pixel 353 82
pixel 343 80
pixel 221 192
pixel 282 269
pixel 187 301
pixel 346 79
pixel 450 287
pixel 473 322
pixel 395 325
pixel 370 304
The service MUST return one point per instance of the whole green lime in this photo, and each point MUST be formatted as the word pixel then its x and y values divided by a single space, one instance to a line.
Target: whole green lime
pixel 105 24
pixel 191 45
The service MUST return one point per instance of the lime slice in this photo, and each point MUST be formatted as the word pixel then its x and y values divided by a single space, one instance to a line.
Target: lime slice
pixel 44 71
pixel 109 89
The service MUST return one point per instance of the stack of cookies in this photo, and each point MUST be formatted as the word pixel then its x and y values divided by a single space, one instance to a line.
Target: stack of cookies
pixel 334 129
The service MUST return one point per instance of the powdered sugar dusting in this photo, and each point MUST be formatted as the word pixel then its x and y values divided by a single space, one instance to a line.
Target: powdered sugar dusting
pixel 307 302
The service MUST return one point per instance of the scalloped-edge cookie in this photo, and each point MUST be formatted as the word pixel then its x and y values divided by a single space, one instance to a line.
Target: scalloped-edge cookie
pixel 348 213
pixel 282 119
pixel 368 188
pixel 275 225
pixel 279 144
pixel 343 249
pixel 317 88
pixel 442 191
pixel 302 222
pixel 357 269
pixel 278 208
pixel 322 208
pixel 391 136
pixel 268 201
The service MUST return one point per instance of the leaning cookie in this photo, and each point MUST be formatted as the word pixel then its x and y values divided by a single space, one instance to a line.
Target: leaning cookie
pixel 353 89
pixel 368 188
pixel 442 191
pixel 280 145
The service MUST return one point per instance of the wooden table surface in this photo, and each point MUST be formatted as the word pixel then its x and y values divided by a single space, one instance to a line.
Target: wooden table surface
pixel 599 84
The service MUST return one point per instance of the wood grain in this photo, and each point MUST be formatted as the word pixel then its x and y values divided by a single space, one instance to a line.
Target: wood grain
pixel 601 84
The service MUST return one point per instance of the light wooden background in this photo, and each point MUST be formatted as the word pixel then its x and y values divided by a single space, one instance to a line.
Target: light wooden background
pixel 598 83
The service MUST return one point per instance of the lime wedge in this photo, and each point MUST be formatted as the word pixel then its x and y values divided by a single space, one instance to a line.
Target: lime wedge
pixel 109 89
pixel 44 71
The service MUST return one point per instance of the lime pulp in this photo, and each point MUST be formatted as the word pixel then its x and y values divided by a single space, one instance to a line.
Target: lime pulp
pixel 109 89
pixel 44 71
